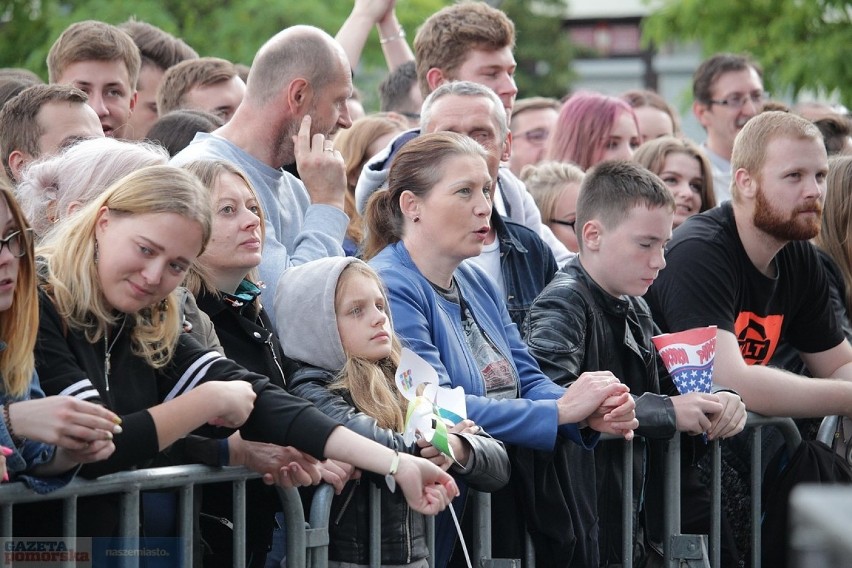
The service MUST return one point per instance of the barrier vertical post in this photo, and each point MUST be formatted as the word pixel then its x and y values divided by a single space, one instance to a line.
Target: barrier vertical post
pixel 716 504
pixel 756 470
pixel 129 526
pixel 239 535
pixel 627 506
pixel 185 523
pixel 671 508
pixel 375 526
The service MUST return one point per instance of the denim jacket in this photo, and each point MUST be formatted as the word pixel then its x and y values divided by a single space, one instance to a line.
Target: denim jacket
pixel 526 263
pixel 32 453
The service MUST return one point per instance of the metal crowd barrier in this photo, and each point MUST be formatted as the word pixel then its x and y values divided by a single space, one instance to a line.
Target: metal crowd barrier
pixel 308 538
pixel 130 484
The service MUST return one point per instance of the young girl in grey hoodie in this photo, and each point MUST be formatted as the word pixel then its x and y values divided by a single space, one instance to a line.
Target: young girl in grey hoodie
pixel 334 320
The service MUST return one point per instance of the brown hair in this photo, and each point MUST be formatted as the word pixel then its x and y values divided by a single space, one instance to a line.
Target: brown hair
pixel 157 47
pixel 371 384
pixel 186 75
pixel 750 144
pixel 652 155
pixel 835 132
pixel 835 236
pixel 91 40
pixel 416 168
pixel 19 324
pixel 19 128
pixel 639 98
pixel 445 39
pixel 176 129
pixel 353 143
pixel 612 189
pixel 534 103
pixel 714 67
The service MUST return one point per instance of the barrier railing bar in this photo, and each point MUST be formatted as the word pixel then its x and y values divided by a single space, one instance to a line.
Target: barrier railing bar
pixel 671 506
pixel 186 517
pixel 129 524
pixel 294 520
pixel 716 508
pixel 375 526
pixel 755 437
pixel 239 536
pixel 319 525
pixel 627 507
pixel 480 548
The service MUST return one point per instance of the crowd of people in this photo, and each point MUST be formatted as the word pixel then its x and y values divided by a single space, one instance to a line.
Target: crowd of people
pixel 207 263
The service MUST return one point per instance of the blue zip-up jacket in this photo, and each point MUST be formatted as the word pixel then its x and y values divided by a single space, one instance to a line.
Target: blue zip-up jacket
pixel 431 326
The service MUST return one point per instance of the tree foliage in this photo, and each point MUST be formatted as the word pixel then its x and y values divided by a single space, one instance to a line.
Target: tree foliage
pixel 801 44
pixel 235 29
pixel 543 49
pixel 223 28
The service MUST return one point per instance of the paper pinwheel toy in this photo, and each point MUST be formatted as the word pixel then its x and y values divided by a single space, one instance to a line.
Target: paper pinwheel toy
pixel 431 408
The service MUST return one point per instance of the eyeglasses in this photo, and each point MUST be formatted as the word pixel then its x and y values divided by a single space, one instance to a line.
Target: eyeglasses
pixel 565 223
pixel 18 242
pixel 738 101
pixel 535 136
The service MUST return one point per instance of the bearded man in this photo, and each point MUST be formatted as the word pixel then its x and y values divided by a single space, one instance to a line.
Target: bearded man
pixel 748 267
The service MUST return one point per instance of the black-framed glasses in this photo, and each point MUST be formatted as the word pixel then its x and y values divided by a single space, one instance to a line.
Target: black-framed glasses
pixel 18 242
pixel 738 101
pixel 535 136
pixel 565 223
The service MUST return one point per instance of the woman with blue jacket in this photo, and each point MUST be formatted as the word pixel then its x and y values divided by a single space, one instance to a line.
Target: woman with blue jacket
pixel 435 215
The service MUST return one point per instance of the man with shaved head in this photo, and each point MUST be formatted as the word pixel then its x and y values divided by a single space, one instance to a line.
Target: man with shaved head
pixel 295 100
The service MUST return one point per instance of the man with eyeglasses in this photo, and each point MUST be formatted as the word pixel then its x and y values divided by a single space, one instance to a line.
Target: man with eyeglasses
pixel 532 120
pixel 727 92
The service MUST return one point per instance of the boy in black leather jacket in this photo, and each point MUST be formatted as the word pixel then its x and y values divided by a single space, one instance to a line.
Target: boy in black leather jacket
pixel 592 317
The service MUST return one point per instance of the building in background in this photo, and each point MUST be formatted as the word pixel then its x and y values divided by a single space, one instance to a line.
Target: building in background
pixel 611 58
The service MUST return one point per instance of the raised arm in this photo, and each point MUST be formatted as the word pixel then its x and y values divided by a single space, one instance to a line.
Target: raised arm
pixel 354 32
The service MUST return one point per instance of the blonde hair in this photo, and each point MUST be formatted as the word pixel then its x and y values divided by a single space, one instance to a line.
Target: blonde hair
pixel 71 277
pixel 835 236
pixel 371 384
pixel 547 181
pixel 750 145
pixel 208 173
pixel 19 324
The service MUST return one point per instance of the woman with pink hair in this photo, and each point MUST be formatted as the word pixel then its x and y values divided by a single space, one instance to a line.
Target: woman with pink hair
pixel 592 128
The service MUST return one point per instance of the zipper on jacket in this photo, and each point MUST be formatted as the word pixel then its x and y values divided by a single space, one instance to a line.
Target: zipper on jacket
pixel 346 503
pixel 408 533
pixel 275 357
pixel 272 351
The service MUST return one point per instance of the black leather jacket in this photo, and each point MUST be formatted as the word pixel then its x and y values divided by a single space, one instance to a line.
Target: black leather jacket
pixel 575 326
pixel 403 530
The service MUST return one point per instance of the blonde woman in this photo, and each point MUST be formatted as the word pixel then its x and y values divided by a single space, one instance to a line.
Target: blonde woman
pixel 110 332
pixel 30 424
pixel 555 187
